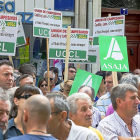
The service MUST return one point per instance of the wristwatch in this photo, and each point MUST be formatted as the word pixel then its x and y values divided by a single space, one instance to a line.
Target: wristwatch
pixel 134 138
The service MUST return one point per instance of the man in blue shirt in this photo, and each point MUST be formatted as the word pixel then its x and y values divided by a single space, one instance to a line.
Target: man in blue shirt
pixel 35 117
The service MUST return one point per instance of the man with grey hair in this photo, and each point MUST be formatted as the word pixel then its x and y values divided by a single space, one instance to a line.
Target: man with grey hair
pixel 5 106
pixel 96 116
pixel 81 111
pixel 24 79
pixel 52 79
pixel 123 122
pixel 60 126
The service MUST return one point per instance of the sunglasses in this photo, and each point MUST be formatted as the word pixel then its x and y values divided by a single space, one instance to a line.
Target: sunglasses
pixel 50 79
pixel 71 71
pixel 44 85
pixel 26 96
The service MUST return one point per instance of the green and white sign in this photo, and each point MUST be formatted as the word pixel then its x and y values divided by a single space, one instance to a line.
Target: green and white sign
pixel 78 43
pixel 93 51
pixel 113 53
pixel 21 40
pixel 43 20
pixel 8 34
pixel 85 78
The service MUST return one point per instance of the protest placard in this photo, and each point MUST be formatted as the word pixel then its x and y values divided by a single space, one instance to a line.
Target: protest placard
pixel 78 43
pixel 8 34
pixel 43 20
pixel 113 53
pixel 21 40
pixel 93 52
pixel 85 78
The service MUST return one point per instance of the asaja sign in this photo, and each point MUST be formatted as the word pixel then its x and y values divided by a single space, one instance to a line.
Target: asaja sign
pixel 113 53
pixel 43 20
pixel 79 40
pixel 8 34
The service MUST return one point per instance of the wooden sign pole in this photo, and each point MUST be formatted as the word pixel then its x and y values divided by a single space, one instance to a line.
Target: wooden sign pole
pixel 114 74
pixel 10 58
pixel 67 53
pixel 48 73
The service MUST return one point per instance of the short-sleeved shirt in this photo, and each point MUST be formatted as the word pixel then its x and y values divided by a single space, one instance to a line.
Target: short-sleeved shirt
pixel 103 103
pixel 33 137
pixel 113 126
pixel 12 130
pixel 81 133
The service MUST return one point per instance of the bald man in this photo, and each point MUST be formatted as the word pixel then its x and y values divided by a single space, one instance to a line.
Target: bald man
pixel 35 117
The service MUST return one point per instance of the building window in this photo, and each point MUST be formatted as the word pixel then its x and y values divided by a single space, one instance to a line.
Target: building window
pixel 130 4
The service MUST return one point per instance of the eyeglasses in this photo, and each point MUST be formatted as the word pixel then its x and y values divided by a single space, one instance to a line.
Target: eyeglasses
pixel 56 112
pixel 26 96
pixel 44 85
pixel 71 71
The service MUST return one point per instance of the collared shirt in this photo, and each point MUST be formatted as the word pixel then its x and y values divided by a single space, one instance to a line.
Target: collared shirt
pixel 96 117
pixel 81 133
pixel 12 130
pixel 113 126
pixel 103 103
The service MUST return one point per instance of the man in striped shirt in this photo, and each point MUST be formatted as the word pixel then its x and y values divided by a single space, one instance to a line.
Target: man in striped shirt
pixel 104 101
pixel 123 122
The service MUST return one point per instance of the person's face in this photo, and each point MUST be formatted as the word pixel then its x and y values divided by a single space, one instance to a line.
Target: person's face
pixel 6 77
pixel 137 72
pixel 138 91
pixel 44 87
pixel 87 91
pixel 26 80
pixel 54 124
pixel 4 115
pixel 130 104
pixel 21 100
pixel 52 81
pixel 109 83
pixel 34 78
pixel 83 115
pixel 71 74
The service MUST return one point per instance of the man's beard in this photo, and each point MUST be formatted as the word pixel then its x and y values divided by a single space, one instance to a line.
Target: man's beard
pixel 5 125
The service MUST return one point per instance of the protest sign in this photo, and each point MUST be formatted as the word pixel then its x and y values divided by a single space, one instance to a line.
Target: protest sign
pixel 78 43
pixel 21 40
pixel 85 78
pixel 8 34
pixel 93 52
pixel 113 53
pixel 43 20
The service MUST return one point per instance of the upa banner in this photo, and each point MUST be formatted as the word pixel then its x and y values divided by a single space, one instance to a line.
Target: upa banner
pixel 8 34
pixel 93 53
pixel 21 40
pixel 79 40
pixel 85 78
pixel 43 20
pixel 113 53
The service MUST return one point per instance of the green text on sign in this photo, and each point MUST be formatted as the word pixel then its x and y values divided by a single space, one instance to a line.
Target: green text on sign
pixel 61 53
pixel 113 53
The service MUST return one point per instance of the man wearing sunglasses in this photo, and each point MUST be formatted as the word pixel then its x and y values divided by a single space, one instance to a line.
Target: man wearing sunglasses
pixel 52 79
pixel 71 76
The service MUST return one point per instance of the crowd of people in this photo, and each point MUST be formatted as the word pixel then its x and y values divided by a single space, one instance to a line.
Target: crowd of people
pixel 29 111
